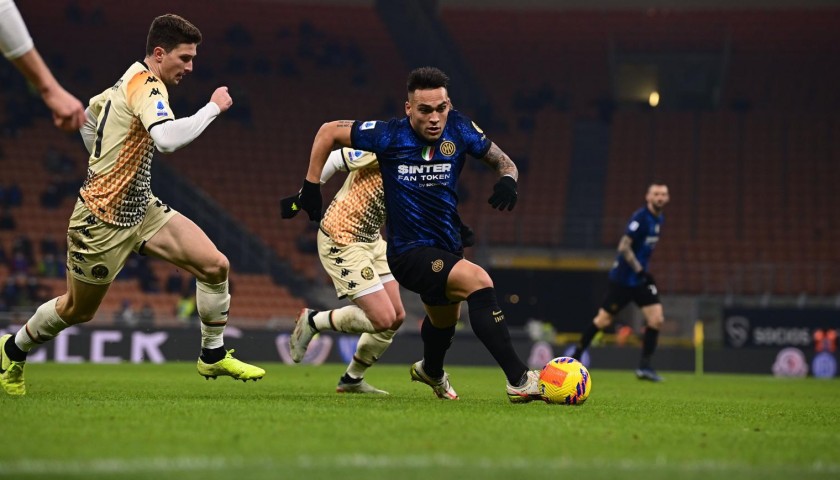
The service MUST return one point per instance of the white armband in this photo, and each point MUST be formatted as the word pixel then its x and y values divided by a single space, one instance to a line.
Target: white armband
pixel 88 130
pixel 174 134
pixel 335 163
pixel 14 37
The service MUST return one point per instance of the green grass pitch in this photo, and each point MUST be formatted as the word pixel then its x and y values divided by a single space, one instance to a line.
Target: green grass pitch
pixel 165 421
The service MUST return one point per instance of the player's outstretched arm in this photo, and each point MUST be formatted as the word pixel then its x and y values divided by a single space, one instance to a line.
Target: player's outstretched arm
pixel 330 136
pixel 172 135
pixel 290 206
pixel 16 45
pixel 504 192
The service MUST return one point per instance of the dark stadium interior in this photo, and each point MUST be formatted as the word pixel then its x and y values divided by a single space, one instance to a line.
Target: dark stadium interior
pixel 746 135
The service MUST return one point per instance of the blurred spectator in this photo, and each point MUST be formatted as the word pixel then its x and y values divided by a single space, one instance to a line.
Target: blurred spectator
pixel 7 221
pixel 21 290
pixel 307 241
pixel 49 245
pixel 51 196
pixel 22 244
pixel 174 282
pixel 146 277
pixel 13 195
pixel 131 268
pixel 19 263
pixel 146 316
pixel 124 317
pixel 59 162
pixel 185 310
pixel 51 266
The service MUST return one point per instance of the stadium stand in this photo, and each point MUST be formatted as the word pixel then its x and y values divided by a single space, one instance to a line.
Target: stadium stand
pixel 752 180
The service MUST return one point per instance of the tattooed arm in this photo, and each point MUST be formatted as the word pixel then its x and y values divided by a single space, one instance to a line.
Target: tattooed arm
pixel 331 135
pixel 625 248
pixel 500 162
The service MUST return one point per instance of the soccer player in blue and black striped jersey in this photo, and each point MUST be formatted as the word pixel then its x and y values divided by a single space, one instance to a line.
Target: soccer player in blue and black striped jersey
pixel 420 157
pixel 630 280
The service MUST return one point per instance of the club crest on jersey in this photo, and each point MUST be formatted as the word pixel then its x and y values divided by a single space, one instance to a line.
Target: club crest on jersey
pixel 447 148
pixel 367 125
pixel 427 153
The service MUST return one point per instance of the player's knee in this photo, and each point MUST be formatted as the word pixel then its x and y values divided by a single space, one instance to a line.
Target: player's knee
pixel 656 322
pixel 383 319
pixel 480 280
pixel 216 270
pixel 602 320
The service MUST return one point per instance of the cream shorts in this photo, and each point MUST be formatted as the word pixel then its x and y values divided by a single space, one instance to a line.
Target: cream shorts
pixel 97 251
pixel 356 267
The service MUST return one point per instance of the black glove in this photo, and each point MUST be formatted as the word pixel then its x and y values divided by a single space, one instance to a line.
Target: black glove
pixel 290 206
pixel 504 194
pixel 646 278
pixel 310 200
pixel 467 236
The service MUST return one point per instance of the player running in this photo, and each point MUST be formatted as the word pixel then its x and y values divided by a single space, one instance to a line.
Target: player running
pixel 630 280
pixel 420 157
pixel 116 212
pixel 352 252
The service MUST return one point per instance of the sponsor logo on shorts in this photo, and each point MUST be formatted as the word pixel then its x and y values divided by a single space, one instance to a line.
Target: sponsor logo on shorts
pixel 367 125
pixel 99 272
pixel 367 273
pixel 447 148
pixel 437 265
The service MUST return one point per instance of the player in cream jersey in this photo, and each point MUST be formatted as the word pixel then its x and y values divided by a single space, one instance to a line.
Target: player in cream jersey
pixel 352 252
pixel 117 189
pixel 116 212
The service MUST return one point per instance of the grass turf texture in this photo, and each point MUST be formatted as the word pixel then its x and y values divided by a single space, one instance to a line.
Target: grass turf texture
pixel 165 421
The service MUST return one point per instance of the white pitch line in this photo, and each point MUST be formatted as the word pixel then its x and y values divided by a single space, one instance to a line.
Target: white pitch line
pixel 104 466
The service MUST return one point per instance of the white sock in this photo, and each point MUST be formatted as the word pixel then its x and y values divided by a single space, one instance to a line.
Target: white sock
pixel 213 304
pixel 44 325
pixel 369 350
pixel 349 319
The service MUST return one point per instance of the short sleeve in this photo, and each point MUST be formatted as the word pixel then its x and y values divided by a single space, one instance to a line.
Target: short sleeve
pixel 635 228
pixel 148 99
pixel 477 142
pixel 372 135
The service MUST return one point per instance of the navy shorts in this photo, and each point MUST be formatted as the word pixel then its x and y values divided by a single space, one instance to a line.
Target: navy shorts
pixel 425 270
pixel 620 295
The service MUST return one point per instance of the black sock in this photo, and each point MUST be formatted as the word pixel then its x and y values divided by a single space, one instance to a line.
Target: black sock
pixel 312 320
pixel 648 346
pixel 212 355
pixel 436 342
pixel 585 339
pixel 14 352
pixel 346 378
pixel 487 321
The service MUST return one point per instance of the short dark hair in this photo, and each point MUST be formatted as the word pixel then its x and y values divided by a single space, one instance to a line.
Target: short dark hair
pixel 426 78
pixel 169 31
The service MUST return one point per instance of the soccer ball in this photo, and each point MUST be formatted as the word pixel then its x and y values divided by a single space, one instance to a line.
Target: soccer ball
pixel 566 381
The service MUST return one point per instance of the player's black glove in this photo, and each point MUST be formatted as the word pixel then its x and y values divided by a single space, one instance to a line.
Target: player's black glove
pixel 646 278
pixel 504 194
pixel 310 200
pixel 467 236
pixel 290 206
